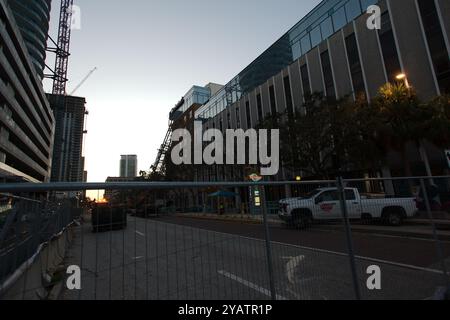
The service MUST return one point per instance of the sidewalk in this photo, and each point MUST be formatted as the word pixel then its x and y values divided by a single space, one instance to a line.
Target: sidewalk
pixel 410 231
pixel 414 228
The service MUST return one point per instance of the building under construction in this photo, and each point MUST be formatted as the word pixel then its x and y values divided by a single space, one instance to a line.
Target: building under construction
pixel 70 113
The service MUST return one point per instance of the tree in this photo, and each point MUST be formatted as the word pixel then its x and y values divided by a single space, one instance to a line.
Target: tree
pixel 436 127
pixel 396 118
pixel 326 137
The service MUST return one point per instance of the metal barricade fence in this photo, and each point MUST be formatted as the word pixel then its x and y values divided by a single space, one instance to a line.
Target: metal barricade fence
pixel 343 239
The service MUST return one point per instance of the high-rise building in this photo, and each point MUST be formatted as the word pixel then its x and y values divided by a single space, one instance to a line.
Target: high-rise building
pixel 32 18
pixel 26 120
pixel 128 166
pixel 68 162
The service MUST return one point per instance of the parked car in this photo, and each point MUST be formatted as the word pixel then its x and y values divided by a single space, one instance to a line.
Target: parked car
pixel 323 205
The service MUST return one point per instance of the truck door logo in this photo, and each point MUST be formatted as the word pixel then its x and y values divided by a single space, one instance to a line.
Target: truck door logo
pixel 327 207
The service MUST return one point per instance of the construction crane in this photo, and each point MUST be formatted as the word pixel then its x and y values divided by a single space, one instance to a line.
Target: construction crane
pixel 83 81
pixel 59 74
pixel 157 166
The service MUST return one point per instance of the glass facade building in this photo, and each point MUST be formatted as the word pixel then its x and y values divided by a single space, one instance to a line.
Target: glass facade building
pixel 128 166
pixel 32 18
pixel 196 95
pixel 323 21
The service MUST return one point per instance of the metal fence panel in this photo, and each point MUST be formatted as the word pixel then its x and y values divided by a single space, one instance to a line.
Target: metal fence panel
pixel 233 241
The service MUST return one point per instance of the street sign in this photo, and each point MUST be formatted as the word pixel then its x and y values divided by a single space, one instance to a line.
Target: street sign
pixel 255 177
pixel 447 156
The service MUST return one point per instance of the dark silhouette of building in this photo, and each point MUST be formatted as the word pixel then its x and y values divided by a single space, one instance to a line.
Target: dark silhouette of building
pixel 26 120
pixel 32 18
pixel 68 163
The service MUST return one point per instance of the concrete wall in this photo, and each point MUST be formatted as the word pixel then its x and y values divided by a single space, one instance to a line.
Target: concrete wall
pixel 414 57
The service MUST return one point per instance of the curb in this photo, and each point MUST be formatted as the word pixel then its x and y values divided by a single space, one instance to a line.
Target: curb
pixel 398 233
pixel 324 227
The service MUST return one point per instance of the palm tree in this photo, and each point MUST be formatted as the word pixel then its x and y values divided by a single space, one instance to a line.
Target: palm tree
pixel 397 117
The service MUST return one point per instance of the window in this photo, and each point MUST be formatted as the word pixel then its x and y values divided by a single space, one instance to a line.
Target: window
pixel 388 48
pixel 247 111
pixel 296 50
pixel 238 118
pixel 355 65
pixel 339 19
pixel 436 43
pixel 288 95
pixel 353 9
pixel 327 28
pixel 273 103
pixel 328 75
pixel 316 36
pixel 259 105
pixel 305 81
pixel 329 196
pixel 306 44
pixel 350 195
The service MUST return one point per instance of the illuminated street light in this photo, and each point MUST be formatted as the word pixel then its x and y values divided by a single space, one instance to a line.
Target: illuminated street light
pixel 402 76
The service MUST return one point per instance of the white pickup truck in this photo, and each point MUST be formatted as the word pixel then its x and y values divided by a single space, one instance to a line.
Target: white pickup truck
pixel 324 204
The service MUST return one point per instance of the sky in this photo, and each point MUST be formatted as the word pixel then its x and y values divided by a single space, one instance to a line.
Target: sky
pixel 149 53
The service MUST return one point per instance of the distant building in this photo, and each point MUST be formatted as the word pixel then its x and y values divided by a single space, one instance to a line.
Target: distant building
pixel 70 112
pixel 128 166
pixel 110 193
pixel 26 120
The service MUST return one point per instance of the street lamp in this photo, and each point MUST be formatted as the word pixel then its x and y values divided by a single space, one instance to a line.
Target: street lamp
pixel 402 76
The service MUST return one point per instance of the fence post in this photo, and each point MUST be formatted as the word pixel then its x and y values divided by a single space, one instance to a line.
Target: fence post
pixel 439 250
pixel 348 233
pixel 268 246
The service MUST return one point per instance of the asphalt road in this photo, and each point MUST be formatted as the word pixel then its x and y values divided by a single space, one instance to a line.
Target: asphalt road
pixel 189 259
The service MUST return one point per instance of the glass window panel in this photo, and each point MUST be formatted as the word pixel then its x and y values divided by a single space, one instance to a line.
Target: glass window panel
pixel 367 3
pixel 327 28
pixel 339 19
pixel 316 36
pixel 306 44
pixel 353 9
pixel 296 50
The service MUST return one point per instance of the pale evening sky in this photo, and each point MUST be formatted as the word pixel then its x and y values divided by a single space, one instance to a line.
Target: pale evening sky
pixel 149 53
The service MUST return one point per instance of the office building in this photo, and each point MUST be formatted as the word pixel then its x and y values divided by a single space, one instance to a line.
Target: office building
pixel 68 162
pixel 128 166
pixel 32 18
pixel 332 51
pixel 26 120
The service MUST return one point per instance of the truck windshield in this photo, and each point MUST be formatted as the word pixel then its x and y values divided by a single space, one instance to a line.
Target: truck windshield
pixel 312 194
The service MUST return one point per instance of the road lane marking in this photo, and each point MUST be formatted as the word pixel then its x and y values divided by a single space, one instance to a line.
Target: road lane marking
pixel 291 266
pixel 249 284
pixel 392 263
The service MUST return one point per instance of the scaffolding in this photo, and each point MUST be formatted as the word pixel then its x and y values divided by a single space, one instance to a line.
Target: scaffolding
pixel 162 151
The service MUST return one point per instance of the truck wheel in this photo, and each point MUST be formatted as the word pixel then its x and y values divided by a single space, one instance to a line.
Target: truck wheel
pixel 394 218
